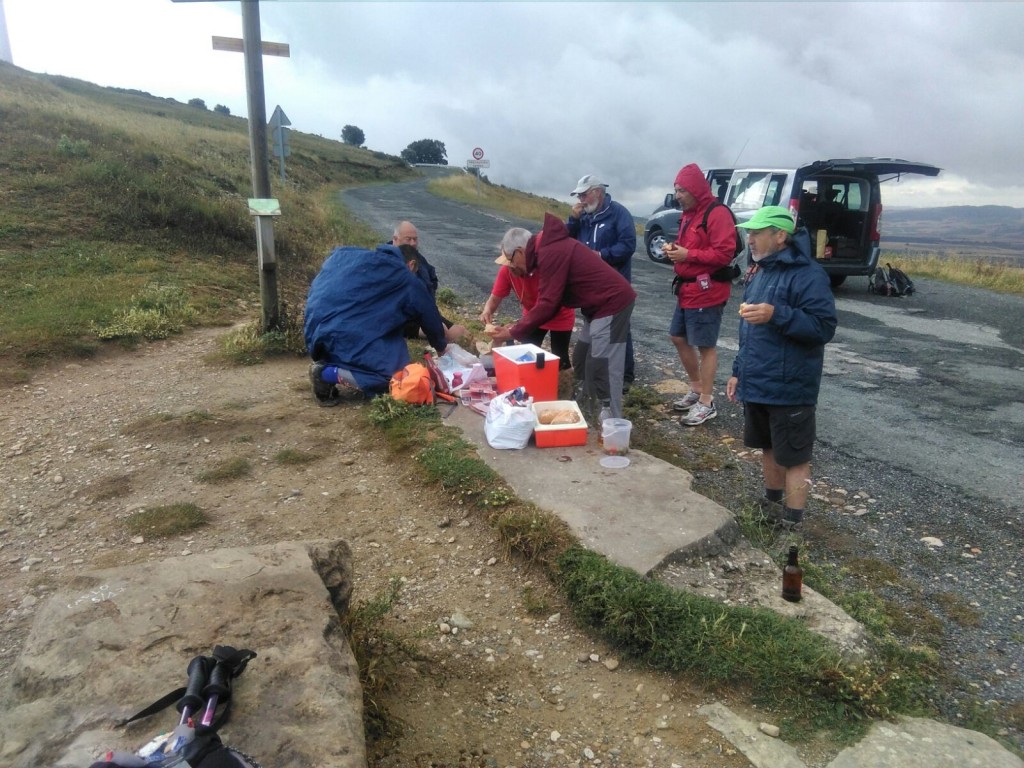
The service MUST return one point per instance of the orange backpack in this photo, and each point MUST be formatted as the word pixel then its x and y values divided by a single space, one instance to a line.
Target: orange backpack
pixel 413 385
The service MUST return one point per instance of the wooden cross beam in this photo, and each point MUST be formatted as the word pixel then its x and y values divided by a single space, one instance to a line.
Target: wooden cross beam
pixel 237 45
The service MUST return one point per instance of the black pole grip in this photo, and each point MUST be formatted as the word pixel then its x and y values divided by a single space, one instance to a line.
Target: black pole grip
pixel 198 669
pixel 220 679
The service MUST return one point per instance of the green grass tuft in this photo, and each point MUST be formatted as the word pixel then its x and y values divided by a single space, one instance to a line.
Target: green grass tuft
pixel 294 458
pixel 166 521
pixel 230 469
pixel 775 656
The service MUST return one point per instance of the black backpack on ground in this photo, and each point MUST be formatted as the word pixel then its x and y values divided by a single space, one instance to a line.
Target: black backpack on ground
pixel 890 281
pixel 901 282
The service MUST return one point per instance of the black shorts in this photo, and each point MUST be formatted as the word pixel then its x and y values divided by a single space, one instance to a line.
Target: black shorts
pixel 788 430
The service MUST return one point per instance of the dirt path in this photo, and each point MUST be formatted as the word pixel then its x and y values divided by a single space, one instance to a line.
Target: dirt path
pixel 86 445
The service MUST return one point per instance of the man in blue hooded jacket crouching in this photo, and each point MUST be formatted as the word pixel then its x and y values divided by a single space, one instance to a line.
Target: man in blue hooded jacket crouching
pixel 356 311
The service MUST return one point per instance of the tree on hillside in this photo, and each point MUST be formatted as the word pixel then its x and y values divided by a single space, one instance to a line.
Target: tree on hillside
pixel 426 151
pixel 197 103
pixel 353 134
pixel 222 110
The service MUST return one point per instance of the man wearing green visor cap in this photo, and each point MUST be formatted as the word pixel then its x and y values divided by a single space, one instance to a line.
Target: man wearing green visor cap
pixel 787 317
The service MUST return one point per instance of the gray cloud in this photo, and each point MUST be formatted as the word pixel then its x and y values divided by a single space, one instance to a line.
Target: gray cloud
pixel 628 90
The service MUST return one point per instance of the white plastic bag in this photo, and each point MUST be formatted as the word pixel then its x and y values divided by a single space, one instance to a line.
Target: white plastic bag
pixel 459 367
pixel 461 357
pixel 510 420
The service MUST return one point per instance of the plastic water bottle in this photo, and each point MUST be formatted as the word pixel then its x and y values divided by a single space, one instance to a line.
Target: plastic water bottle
pixel 606 413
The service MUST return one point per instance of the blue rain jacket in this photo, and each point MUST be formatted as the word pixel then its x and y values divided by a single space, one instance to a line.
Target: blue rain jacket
pixel 357 308
pixel 780 362
pixel 611 232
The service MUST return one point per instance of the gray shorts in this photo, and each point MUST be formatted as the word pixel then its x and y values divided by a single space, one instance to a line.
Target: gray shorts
pixel 788 430
pixel 699 327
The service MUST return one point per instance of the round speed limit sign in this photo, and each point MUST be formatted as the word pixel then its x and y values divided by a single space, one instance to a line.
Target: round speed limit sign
pixel 478 154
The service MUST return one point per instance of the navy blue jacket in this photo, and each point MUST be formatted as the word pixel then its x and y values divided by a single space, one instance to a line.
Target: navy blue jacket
pixel 780 362
pixel 356 311
pixel 611 232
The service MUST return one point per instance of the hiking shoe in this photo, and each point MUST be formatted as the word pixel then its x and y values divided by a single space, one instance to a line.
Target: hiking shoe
pixel 771 511
pixel 325 393
pixel 686 403
pixel 698 414
pixel 791 518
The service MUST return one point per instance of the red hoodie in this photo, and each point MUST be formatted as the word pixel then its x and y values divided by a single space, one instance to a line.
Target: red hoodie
pixel 570 275
pixel 707 251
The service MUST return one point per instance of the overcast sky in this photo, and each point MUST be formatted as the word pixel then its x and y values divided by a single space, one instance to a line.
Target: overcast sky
pixel 629 91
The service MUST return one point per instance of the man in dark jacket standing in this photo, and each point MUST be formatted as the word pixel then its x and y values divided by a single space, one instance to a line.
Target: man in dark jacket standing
pixel 607 227
pixel 571 275
pixel 698 252
pixel 788 315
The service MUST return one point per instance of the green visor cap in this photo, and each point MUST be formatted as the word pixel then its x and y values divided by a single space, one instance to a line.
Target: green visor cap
pixel 771 216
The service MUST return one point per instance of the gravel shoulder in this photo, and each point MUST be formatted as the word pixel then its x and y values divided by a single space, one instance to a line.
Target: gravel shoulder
pixel 85 445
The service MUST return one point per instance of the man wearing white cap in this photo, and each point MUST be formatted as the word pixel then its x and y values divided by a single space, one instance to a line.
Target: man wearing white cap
pixel 568 275
pixel 606 227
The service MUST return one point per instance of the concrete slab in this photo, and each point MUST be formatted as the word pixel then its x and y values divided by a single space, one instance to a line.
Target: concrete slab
pixel 917 743
pixel 641 517
pixel 761 750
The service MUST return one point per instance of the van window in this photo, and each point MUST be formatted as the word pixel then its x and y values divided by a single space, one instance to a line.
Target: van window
pixel 751 190
pixel 851 194
pixel 718 187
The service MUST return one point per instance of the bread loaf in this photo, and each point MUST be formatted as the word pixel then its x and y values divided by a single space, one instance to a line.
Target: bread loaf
pixel 559 416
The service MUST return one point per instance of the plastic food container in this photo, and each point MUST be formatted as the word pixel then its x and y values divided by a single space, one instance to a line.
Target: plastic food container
pixel 559 435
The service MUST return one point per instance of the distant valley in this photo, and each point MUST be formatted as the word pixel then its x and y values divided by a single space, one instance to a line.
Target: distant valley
pixel 989 231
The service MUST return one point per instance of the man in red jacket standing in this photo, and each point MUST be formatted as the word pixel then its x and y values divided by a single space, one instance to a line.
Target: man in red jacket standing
pixel 572 275
pixel 697 253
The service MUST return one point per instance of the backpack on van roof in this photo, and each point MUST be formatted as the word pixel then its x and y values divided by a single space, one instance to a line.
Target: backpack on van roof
pixel 732 270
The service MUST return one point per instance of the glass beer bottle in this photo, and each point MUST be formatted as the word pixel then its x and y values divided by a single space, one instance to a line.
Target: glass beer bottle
pixel 792 578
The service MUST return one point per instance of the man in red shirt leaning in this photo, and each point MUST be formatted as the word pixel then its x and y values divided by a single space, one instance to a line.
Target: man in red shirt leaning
pixel 572 275
pixel 697 253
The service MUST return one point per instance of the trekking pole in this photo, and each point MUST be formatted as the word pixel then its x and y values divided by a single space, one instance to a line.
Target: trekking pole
pixel 192 701
pixel 214 690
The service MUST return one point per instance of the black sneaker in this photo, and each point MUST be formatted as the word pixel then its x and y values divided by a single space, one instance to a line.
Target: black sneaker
pixel 325 393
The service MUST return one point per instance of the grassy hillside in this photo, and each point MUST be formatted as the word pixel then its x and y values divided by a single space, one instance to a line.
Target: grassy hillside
pixel 114 200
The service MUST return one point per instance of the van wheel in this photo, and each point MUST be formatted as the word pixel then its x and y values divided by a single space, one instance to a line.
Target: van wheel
pixel 655 240
pixel 837 280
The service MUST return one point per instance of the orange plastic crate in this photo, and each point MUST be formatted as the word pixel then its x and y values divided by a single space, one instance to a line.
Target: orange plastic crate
pixel 559 435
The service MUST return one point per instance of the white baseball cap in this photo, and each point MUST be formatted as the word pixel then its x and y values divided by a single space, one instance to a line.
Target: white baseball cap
pixel 587 183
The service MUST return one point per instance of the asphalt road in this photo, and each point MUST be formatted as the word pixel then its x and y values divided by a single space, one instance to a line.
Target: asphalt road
pixel 921 407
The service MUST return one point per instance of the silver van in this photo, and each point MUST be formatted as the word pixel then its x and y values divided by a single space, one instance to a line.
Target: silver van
pixel 839 201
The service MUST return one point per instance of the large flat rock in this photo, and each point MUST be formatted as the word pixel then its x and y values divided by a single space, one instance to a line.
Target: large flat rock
pixel 121 638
